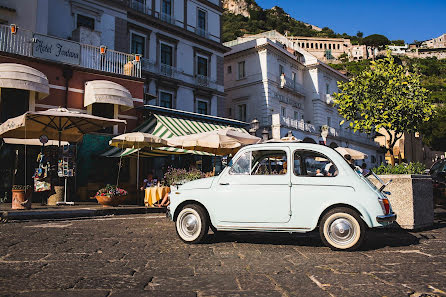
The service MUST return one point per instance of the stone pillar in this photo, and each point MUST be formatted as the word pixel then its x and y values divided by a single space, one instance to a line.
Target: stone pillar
pixel 275 127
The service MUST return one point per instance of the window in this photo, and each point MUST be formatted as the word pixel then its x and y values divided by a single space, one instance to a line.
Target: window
pixel 296 115
pixel 202 66
pixel 166 99
pixel 242 165
pixel 241 116
pixel 329 121
pixel 166 7
pixel 302 118
pixel 201 22
pixel 283 111
pixel 166 54
pixel 84 21
pixel 104 110
pixel 13 102
pixel 139 5
pixel 293 78
pixel 137 44
pixel 229 69
pixel 281 69
pixel 327 88
pixel 261 162
pixel 202 107
pixel 241 70
pixel 309 163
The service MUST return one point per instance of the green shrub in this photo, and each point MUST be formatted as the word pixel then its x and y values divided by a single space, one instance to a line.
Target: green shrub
pixel 403 168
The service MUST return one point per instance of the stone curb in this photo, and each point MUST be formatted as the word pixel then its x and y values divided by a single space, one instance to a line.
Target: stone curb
pixel 74 213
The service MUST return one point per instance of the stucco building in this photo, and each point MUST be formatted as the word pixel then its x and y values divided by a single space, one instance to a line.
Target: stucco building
pixel 287 89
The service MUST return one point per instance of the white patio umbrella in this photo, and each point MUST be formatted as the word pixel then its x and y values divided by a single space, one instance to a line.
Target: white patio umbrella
pixel 219 142
pixel 57 124
pixel 137 140
pixel 356 155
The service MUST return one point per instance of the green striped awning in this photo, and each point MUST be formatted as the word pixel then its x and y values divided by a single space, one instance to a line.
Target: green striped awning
pixel 167 127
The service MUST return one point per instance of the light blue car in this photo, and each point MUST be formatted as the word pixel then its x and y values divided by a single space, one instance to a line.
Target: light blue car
pixel 283 187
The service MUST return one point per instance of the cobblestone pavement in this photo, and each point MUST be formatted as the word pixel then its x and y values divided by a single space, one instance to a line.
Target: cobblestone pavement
pixel 140 255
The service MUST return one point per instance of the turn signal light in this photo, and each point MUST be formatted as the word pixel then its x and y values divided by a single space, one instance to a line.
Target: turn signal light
pixel 386 205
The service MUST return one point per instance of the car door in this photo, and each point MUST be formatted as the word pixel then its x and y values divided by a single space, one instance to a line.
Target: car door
pixel 256 189
pixel 316 184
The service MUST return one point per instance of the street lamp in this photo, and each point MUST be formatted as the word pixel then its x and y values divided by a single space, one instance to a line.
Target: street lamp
pixel 13 28
pixel 255 125
pixel 265 134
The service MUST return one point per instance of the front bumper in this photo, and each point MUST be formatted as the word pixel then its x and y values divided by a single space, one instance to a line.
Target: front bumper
pixel 389 218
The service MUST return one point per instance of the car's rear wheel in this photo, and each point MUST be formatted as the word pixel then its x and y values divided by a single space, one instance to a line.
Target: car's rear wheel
pixel 342 229
pixel 192 223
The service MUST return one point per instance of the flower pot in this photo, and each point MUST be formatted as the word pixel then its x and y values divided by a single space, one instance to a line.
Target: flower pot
pixel 107 201
pixel 21 199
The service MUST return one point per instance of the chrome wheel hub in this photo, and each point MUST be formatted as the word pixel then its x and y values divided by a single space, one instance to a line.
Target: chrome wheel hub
pixel 189 225
pixel 341 231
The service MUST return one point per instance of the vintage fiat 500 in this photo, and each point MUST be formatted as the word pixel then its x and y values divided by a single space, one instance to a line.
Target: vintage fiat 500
pixel 283 187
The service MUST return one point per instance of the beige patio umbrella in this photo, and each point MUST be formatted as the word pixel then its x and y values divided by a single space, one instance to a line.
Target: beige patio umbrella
pixel 137 141
pixel 58 124
pixel 356 155
pixel 219 142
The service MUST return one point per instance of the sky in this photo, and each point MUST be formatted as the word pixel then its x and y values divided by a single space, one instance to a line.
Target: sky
pixel 396 19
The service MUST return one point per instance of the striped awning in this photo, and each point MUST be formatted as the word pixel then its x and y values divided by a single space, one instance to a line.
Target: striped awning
pixel 166 127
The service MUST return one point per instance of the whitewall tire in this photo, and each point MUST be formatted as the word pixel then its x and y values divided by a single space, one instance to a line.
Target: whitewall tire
pixel 192 224
pixel 342 229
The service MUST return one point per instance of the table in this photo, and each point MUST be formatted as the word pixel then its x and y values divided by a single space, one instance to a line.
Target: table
pixel 154 194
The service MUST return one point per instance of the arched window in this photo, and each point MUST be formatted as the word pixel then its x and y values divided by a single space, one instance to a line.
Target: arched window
pixel 329 46
pixel 311 45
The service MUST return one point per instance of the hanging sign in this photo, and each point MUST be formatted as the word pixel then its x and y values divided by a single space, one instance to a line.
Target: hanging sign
pixel 50 48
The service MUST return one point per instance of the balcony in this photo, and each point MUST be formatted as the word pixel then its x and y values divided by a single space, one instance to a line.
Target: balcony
pixel 162 69
pixel 144 8
pixel 30 44
pixel 290 85
pixel 297 124
pixel 202 32
pixel 168 18
pixel 329 99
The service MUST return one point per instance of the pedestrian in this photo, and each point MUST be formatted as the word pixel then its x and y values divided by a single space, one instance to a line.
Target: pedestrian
pixel 365 171
pixel 148 181
pixel 349 160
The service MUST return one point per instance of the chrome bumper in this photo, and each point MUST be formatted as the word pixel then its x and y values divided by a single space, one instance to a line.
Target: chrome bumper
pixel 389 218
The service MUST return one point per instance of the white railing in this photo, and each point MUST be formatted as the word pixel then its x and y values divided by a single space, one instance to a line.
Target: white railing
pixel 297 124
pixel 111 61
pixel 293 86
pixel 202 32
pixel 168 18
pixel 20 43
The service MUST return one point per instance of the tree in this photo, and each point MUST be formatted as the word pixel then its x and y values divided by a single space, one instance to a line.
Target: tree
pixel 359 34
pixel 398 42
pixel 384 95
pixel 376 40
pixel 434 131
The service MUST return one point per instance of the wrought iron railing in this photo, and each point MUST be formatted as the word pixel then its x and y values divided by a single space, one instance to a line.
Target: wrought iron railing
pixel 202 32
pixel 21 43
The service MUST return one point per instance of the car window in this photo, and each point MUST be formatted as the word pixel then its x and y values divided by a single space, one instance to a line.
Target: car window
pixel 309 163
pixel 269 162
pixel 242 165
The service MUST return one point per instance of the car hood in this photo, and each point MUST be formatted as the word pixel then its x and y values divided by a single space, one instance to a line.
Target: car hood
pixel 202 183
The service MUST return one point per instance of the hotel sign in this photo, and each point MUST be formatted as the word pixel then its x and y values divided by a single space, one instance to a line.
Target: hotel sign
pixel 56 49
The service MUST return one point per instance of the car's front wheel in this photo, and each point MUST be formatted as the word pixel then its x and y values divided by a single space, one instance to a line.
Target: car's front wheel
pixel 342 229
pixel 192 224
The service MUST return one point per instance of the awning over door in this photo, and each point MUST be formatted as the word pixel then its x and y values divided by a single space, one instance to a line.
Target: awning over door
pixel 166 127
pixel 104 91
pixel 18 76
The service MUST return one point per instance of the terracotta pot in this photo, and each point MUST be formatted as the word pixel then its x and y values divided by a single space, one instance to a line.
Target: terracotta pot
pixel 21 199
pixel 107 201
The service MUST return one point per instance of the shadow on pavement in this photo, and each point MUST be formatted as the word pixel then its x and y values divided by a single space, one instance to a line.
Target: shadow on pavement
pixel 375 239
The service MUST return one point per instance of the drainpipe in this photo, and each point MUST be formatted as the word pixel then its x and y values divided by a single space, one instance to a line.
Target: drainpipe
pixel 67 74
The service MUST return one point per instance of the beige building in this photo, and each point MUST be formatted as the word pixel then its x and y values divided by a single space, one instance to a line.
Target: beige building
pixel 410 148
pixel 439 42
pixel 324 49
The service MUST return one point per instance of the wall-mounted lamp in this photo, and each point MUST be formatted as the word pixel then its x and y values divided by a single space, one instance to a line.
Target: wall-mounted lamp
pixel 102 49
pixel 137 57
pixel 13 28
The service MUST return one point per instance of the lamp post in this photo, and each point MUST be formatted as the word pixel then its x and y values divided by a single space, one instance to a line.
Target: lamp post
pixel 255 125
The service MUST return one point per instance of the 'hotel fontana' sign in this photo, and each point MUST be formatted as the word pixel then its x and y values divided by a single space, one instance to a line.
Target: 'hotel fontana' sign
pixel 51 48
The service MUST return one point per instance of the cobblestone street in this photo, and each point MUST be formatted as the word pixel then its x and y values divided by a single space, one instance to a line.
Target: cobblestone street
pixel 140 255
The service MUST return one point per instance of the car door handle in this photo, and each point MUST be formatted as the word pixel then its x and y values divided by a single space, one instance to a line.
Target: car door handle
pixel 224 184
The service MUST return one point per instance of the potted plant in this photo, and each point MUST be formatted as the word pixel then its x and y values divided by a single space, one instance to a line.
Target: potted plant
pixel 411 194
pixel 111 195
pixel 21 197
